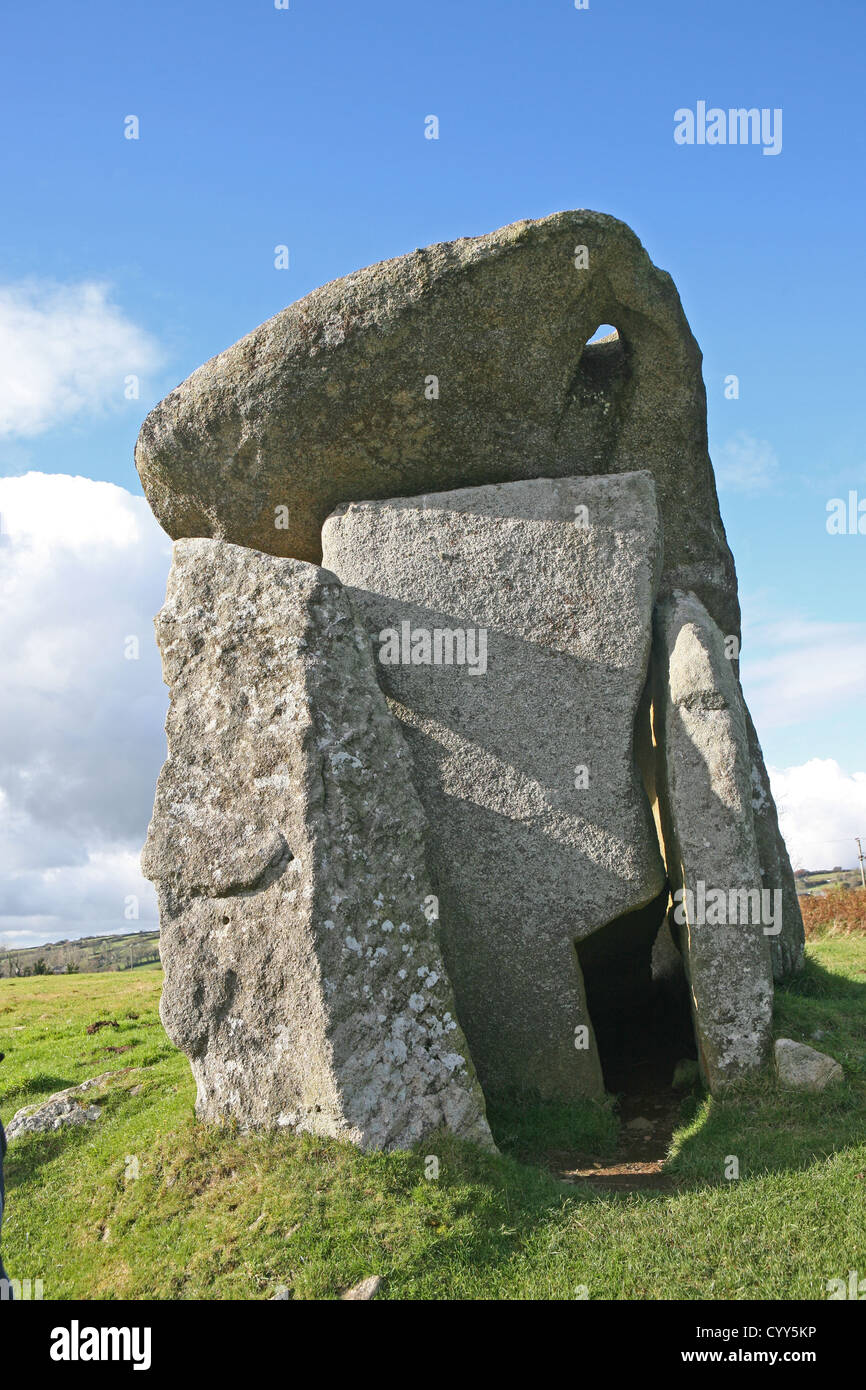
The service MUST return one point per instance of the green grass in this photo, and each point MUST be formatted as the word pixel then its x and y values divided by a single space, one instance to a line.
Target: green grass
pixel 527 1130
pixel 216 1214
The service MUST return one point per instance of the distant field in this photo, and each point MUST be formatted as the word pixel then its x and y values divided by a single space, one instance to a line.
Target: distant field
pixel 825 880
pixel 147 1203
pixel 89 954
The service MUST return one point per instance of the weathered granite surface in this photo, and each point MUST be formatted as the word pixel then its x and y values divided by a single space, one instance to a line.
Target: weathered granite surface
pixel 539 830
pixel 804 1068
pixel 704 786
pixel 334 399
pixel 303 974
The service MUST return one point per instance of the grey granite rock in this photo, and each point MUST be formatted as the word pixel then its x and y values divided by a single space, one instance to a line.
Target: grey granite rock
pixel 804 1068
pixel 461 364
pixel 303 975
pixel 704 785
pixel 788 948
pixel 363 1292
pixel 64 1109
pixel 539 831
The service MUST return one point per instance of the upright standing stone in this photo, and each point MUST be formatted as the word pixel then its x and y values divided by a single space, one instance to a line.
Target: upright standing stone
pixel 513 625
pixel 704 783
pixel 303 975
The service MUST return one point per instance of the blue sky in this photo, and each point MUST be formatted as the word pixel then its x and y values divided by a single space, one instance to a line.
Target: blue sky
pixel 305 127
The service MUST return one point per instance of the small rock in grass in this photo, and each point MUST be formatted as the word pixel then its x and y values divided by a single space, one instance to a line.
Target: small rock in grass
pixel 60 1110
pixel 363 1292
pixel 803 1067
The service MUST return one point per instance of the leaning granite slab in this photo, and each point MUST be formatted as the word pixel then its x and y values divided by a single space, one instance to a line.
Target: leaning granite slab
pixel 538 596
pixel 303 975
pixel 805 1068
pixel 788 947
pixel 704 784
pixel 465 363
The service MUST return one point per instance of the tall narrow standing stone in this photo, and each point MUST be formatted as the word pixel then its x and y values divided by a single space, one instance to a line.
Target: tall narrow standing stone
pixel 704 782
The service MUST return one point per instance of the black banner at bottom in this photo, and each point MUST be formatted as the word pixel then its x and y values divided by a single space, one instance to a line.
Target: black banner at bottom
pixel 56 1340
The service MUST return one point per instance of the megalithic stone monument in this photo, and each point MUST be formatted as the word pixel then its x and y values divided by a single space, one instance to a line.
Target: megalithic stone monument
pixel 448 408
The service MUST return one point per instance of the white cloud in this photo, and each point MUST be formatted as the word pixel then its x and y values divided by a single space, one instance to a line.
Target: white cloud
pixel 64 349
pixel 806 670
pixel 105 895
pixel 745 464
pixel 821 809
pixel 83 566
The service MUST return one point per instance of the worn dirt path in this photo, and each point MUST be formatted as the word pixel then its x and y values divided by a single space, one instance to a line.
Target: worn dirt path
pixel 649 1116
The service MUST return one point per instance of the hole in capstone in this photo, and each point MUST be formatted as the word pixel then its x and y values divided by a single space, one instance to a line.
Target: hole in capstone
pixel 605 331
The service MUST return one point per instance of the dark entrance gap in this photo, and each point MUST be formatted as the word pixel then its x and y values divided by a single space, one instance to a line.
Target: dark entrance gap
pixel 637 998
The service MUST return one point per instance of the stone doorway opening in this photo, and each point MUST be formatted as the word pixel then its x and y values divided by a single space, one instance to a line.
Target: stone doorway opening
pixel 637 998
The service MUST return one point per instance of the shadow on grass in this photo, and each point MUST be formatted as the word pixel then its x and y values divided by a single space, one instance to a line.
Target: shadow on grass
pixel 768 1128
pixel 33 1089
pixel 764 1127
pixel 815 982
pixel 529 1129
pixel 29 1154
